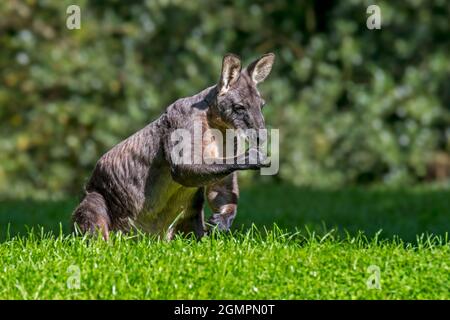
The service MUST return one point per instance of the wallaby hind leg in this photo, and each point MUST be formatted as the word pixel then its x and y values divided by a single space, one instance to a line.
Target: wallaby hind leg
pixel 222 199
pixel 92 215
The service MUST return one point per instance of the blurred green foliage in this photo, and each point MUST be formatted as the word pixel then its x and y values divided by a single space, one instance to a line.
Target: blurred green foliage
pixel 353 105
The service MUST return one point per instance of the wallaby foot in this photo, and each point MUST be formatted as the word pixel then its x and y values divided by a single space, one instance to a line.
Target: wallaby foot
pixel 223 199
pixel 92 216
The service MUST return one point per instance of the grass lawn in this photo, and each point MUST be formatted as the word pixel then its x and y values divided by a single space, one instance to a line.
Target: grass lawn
pixel 327 244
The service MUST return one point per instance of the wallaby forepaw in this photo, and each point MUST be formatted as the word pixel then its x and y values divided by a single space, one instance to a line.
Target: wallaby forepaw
pixel 220 221
pixel 256 159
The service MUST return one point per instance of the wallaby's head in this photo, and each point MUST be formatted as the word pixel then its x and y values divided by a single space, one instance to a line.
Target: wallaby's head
pixel 239 104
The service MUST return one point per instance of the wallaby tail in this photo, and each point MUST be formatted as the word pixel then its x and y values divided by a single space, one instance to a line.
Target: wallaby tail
pixel 92 215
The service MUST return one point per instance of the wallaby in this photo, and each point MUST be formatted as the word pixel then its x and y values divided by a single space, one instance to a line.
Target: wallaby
pixel 137 184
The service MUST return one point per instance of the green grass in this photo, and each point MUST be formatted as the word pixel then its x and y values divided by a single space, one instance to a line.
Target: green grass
pixel 322 249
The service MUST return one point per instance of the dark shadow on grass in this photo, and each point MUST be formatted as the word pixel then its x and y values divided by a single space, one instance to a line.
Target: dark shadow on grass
pixel 18 217
pixel 398 212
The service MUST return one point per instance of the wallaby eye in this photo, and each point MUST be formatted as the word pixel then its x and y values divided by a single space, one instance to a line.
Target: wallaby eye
pixel 239 107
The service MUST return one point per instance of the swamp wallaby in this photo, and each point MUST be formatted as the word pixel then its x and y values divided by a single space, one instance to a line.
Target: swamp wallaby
pixel 137 183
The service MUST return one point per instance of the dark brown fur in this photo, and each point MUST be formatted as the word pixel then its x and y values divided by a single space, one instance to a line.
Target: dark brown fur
pixel 136 184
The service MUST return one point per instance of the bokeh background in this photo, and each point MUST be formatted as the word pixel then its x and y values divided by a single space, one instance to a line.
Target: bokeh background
pixel 364 120
pixel 354 106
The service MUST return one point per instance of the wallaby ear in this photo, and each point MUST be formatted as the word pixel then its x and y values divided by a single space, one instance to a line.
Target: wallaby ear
pixel 259 69
pixel 231 70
